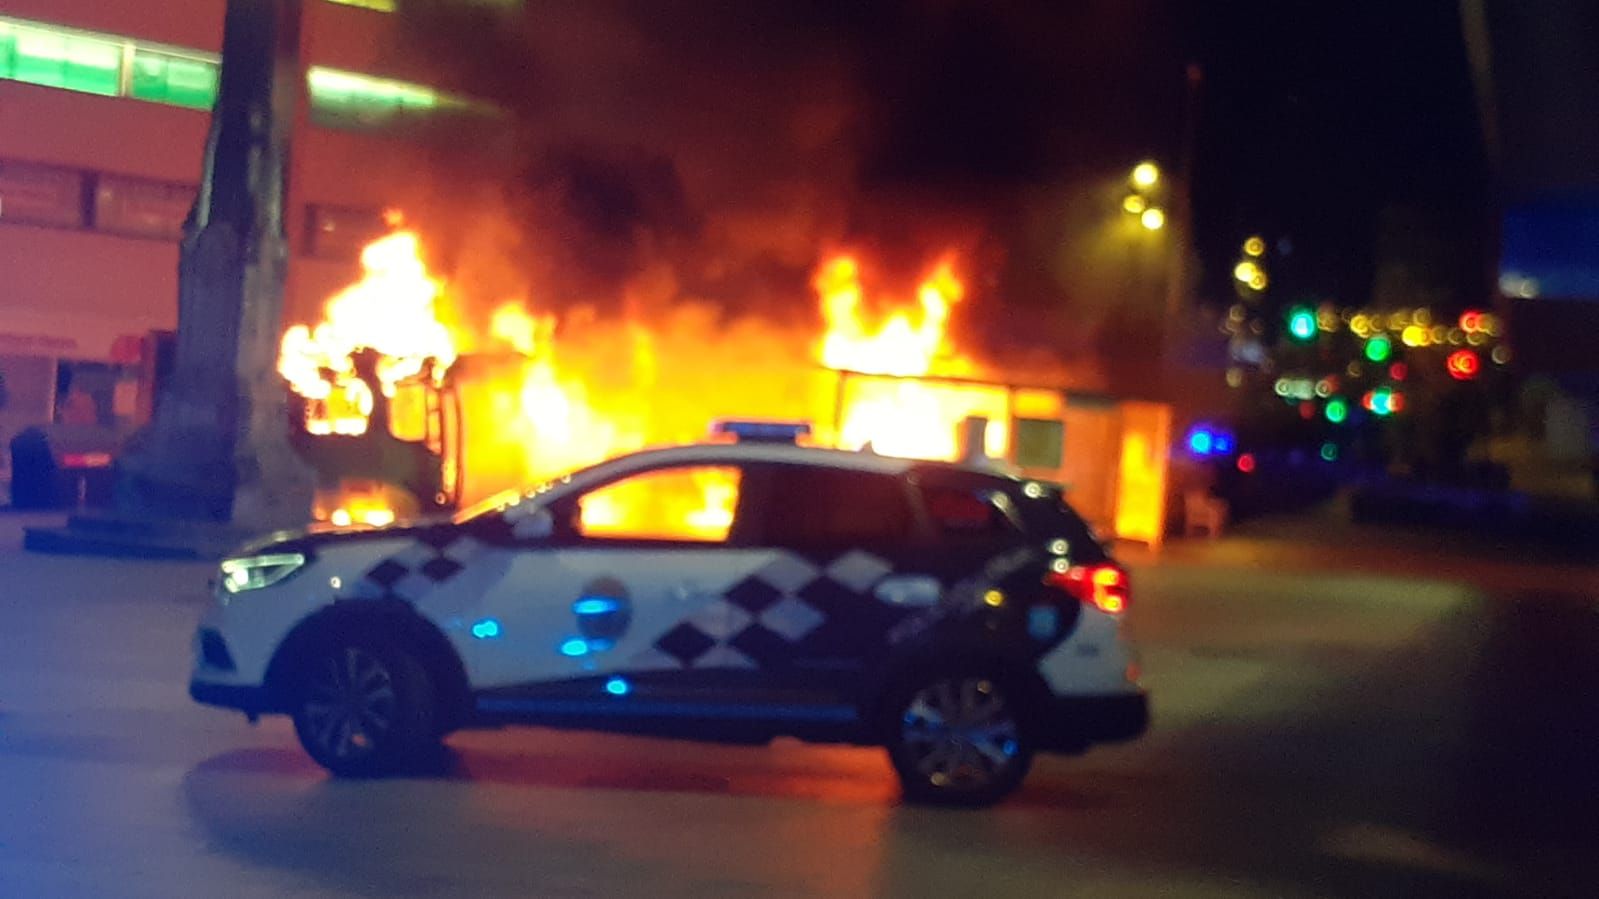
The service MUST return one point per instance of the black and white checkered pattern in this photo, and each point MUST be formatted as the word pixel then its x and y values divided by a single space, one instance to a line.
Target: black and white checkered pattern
pixel 758 622
pixel 439 554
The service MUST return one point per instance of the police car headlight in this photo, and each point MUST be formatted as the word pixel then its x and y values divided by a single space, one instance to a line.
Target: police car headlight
pixel 255 572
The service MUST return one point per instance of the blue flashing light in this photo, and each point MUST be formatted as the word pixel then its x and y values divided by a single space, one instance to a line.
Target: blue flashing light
pixel 575 647
pixel 1204 440
pixel 617 686
pixel 763 431
pixel 486 629
pixel 595 605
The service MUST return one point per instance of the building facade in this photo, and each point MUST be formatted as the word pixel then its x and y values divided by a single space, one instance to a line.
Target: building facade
pixel 104 110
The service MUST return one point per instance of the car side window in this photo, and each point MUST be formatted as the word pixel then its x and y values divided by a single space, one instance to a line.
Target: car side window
pixel 816 506
pixel 968 513
pixel 694 503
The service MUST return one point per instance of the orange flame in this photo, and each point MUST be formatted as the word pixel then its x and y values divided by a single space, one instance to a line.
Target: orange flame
pixel 389 311
pixel 912 418
pixel 542 395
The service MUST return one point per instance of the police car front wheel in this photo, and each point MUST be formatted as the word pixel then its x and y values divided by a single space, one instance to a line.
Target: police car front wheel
pixel 364 709
pixel 958 739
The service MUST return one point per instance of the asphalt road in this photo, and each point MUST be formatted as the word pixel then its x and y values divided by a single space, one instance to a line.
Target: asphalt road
pixel 1333 717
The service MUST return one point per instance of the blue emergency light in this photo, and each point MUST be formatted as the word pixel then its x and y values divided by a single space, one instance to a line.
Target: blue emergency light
pixel 763 431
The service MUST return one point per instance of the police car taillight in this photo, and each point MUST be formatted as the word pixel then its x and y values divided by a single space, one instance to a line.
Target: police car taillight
pixel 762 431
pixel 1103 586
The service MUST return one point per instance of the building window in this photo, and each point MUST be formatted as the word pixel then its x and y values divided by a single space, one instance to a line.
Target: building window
pixel 162 77
pixel 339 232
pixel 41 195
pixel 379 5
pixel 114 66
pixel 346 99
pixel 55 57
pixel 139 208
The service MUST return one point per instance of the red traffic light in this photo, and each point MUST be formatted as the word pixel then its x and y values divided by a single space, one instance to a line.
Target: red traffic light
pixel 1463 365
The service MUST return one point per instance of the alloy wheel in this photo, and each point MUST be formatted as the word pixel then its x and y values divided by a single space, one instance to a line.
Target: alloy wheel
pixel 349 704
pixel 960 733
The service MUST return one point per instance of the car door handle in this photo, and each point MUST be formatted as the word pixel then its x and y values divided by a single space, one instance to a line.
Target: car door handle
pixel 909 590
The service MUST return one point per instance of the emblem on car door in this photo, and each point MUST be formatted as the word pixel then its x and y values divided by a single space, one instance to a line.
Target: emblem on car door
pixel 603 613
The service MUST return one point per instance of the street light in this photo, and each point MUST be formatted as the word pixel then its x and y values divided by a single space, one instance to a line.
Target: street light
pixel 1153 218
pixel 1145 175
pixel 1135 204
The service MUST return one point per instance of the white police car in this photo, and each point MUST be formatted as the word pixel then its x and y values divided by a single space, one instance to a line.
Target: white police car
pixel 961 618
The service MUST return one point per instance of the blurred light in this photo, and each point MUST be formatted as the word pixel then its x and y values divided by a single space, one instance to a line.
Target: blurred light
pixel 1354 370
pixel 617 686
pixel 1491 324
pixel 1259 282
pixel 1327 319
pixel 1414 335
pixel 1378 348
pixel 1200 441
pixel 1235 377
pixel 1383 401
pixel 1470 320
pixel 1134 204
pixel 1246 463
pixel 486 629
pixel 1423 317
pixel 1146 175
pixel 1439 333
pixel 1360 324
pixel 994 599
pixel 1254 246
pixel 1301 323
pixel 1457 336
pixel 1463 365
pixel 575 647
pixel 1398 371
pixel 1337 410
pixel 1398 320
pixel 1245 271
pixel 1325 387
pixel 1223 444
pixel 1307 410
pixel 1236 312
pixel 1477 338
pixel 1154 219
pixel 1500 355
pixel 1329 452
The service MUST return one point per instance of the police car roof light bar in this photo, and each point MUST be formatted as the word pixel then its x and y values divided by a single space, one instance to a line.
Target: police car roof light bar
pixel 763 431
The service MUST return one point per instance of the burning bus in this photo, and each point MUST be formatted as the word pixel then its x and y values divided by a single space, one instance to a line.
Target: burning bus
pixel 407 405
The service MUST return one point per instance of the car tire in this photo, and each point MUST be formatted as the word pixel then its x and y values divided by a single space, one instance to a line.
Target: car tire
pixel 957 737
pixel 365 708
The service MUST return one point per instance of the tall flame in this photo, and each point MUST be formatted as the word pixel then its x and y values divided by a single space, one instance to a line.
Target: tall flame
pixel 899 345
pixel 543 395
pixel 902 417
pixel 389 311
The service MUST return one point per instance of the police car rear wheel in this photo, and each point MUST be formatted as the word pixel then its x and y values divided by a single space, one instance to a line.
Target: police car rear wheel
pixel 958 740
pixel 364 709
